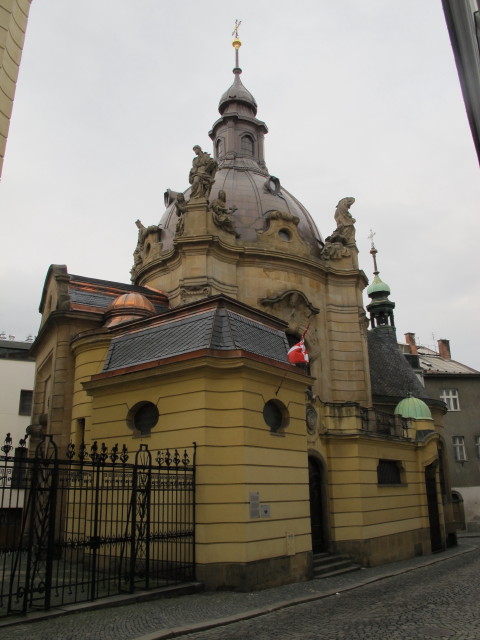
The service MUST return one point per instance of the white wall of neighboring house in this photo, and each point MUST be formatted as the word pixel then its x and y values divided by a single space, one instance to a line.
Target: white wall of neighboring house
pixel 15 375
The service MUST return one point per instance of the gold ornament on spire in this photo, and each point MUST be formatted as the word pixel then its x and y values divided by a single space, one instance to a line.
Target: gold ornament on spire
pixel 237 43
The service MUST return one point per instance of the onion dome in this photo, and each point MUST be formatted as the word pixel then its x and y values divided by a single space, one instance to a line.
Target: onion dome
pixel 237 93
pixel 128 307
pixel 378 287
pixel 415 408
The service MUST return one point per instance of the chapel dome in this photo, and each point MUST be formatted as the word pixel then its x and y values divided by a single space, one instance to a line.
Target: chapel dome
pixel 238 148
pixel 255 195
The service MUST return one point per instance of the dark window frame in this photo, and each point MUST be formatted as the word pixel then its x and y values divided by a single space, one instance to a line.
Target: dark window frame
pixel 25 403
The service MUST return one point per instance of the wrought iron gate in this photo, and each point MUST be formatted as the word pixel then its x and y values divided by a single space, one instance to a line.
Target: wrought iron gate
pixel 93 524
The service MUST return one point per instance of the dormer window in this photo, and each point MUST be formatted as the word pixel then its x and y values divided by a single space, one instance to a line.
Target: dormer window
pixel 247 145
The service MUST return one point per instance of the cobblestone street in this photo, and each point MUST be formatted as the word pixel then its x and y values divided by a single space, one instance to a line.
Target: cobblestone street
pixel 441 601
pixel 437 601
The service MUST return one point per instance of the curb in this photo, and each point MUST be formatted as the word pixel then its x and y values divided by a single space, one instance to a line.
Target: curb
pixel 197 627
pixel 172 591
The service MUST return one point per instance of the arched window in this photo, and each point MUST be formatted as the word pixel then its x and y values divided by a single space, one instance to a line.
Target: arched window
pixel 219 147
pixel 247 145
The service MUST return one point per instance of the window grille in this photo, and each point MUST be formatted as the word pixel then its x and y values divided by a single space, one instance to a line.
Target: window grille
pixel 389 472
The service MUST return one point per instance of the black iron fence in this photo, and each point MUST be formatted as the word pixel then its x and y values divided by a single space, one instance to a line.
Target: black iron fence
pixel 94 524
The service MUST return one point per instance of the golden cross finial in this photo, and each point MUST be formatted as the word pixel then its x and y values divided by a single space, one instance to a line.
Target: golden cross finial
pixel 235 29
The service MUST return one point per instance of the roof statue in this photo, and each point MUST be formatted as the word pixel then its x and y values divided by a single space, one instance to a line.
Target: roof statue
pixel 345 220
pixel 180 209
pixel 336 245
pixel 202 173
pixel 223 215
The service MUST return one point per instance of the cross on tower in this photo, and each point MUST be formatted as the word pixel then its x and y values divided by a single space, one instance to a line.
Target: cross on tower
pixel 370 237
pixel 235 29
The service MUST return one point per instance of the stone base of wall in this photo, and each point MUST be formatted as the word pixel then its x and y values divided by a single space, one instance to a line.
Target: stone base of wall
pixel 248 576
pixel 392 548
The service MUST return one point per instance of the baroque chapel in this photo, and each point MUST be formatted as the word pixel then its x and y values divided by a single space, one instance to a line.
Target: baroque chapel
pixel 341 453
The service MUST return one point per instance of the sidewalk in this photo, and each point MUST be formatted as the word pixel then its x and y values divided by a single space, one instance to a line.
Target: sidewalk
pixel 178 615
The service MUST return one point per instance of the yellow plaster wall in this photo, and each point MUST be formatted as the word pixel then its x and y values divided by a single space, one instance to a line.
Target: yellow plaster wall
pixel 220 408
pixel 360 509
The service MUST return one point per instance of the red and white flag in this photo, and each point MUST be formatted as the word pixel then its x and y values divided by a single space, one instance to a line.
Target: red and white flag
pixel 298 353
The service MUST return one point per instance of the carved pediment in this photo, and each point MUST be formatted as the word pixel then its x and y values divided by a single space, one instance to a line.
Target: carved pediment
pixel 292 306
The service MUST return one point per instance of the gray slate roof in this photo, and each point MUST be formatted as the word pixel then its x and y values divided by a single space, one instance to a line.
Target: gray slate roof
pixel 102 300
pixel 391 374
pixel 90 299
pixel 220 329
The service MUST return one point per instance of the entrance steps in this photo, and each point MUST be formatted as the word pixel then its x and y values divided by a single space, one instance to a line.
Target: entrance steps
pixel 326 565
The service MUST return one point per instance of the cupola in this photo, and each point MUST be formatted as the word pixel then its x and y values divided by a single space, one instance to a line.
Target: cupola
pixel 128 307
pixel 380 308
pixel 411 407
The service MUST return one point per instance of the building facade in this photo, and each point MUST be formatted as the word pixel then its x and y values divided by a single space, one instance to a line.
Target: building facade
pixel 13 24
pixel 291 460
pixel 17 373
pixel 458 386
pixel 463 23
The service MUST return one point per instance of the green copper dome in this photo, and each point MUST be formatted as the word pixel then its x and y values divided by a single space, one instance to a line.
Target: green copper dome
pixel 413 408
pixel 378 286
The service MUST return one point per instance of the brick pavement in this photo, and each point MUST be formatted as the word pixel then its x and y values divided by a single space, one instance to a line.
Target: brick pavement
pixel 415 608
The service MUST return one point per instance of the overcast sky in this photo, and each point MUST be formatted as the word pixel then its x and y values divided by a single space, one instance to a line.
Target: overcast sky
pixel 361 99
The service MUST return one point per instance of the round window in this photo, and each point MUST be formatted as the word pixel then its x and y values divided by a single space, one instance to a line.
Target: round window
pixel 275 415
pixel 284 234
pixel 143 417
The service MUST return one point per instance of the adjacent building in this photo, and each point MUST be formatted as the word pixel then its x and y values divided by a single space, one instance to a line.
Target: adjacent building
pixel 13 24
pixel 463 22
pixel 458 386
pixel 17 372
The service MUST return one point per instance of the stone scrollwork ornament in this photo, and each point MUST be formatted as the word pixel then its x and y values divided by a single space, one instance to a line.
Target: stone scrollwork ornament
pixel 142 234
pixel 311 419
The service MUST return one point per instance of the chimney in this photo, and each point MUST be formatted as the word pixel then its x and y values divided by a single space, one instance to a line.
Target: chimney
pixel 444 349
pixel 410 339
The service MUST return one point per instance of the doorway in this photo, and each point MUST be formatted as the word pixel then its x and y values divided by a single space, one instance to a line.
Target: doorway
pixel 432 502
pixel 317 513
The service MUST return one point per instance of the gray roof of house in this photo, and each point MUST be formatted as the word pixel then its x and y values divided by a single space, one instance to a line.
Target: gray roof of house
pixel 391 374
pixel 218 328
pixel 432 362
